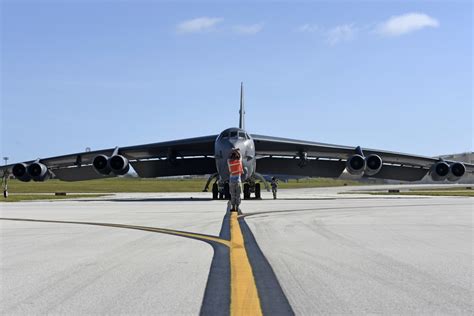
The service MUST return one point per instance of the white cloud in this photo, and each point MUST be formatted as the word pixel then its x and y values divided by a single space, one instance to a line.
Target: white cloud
pixel 198 25
pixel 341 33
pixel 248 29
pixel 310 28
pixel 406 23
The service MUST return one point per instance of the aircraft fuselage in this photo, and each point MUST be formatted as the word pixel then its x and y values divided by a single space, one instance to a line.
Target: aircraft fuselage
pixel 225 142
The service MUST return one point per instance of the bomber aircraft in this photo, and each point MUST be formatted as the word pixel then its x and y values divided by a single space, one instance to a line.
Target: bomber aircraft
pixel 208 155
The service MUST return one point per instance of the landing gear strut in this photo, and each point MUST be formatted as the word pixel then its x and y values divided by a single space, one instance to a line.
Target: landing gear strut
pixel 215 191
pixel 222 191
pixel 212 177
pixel 257 191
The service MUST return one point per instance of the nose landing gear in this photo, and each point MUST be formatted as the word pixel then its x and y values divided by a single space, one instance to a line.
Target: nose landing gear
pixel 220 192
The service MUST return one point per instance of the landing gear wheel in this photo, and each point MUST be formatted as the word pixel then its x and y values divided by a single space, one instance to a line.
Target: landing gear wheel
pixel 215 191
pixel 257 191
pixel 226 191
pixel 246 191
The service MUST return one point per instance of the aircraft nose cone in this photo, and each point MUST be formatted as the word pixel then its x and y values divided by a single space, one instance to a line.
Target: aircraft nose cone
pixel 234 142
pixel 230 144
pixel 237 144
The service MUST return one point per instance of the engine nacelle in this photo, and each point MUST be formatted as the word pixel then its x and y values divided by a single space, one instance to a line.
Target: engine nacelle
pixel 101 164
pixel 119 165
pixel 355 165
pixel 373 164
pixel 456 171
pixel 38 172
pixel 440 171
pixel 20 172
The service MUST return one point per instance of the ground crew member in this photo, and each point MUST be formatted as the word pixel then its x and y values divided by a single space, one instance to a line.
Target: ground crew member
pixel 235 181
pixel 274 185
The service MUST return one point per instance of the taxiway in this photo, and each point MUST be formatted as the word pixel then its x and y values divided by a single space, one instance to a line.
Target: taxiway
pixel 312 251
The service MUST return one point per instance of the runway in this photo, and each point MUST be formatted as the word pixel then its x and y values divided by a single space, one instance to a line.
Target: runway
pixel 311 252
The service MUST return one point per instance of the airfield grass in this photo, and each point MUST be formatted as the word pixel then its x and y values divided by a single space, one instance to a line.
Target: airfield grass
pixel 119 185
pixel 456 191
pixel 36 197
pixel 316 183
pixel 443 192
pixel 454 188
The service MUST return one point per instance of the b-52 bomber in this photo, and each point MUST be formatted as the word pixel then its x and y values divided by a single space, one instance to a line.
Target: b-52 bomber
pixel 261 155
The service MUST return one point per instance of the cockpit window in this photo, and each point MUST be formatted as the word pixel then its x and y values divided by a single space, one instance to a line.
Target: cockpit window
pixel 234 134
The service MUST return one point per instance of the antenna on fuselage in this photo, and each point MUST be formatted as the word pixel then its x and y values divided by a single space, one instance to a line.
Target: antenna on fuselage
pixel 242 110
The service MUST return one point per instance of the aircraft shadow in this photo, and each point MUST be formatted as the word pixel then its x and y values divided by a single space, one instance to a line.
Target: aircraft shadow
pixel 151 199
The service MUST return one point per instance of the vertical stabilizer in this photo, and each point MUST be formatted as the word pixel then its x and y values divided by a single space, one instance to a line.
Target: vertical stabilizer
pixel 242 110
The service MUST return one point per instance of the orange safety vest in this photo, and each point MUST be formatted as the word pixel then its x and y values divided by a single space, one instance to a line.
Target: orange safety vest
pixel 235 167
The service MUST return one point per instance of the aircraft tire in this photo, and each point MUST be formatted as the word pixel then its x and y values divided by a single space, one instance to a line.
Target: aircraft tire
pixel 257 191
pixel 246 191
pixel 226 191
pixel 215 191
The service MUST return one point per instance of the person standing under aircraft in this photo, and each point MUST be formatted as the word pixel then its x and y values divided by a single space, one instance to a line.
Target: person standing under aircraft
pixel 235 181
pixel 274 185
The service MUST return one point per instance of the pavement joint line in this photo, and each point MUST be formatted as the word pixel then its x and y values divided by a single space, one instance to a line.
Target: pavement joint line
pixel 244 294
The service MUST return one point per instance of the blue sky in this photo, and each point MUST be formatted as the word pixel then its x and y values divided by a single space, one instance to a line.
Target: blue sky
pixel 392 75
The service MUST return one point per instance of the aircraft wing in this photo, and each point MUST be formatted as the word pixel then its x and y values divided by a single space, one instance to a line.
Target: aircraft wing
pixel 284 156
pixel 177 157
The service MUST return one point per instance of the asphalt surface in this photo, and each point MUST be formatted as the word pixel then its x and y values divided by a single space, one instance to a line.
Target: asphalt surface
pixel 313 251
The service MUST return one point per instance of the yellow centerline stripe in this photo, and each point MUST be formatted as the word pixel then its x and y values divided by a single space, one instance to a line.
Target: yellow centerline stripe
pixel 244 295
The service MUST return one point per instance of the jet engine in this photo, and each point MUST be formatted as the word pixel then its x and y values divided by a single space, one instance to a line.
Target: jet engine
pixel 38 172
pixel 20 172
pixel 373 164
pixel 119 165
pixel 355 165
pixel 456 171
pixel 101 164
pixel 35 171
pixel 440 171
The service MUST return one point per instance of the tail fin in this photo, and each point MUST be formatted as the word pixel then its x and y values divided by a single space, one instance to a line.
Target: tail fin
pixel 242 110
